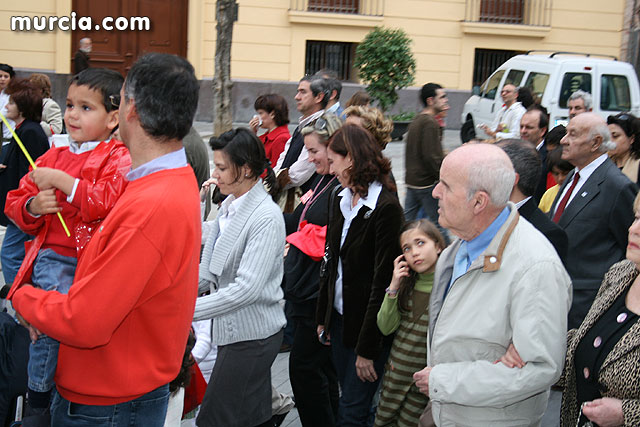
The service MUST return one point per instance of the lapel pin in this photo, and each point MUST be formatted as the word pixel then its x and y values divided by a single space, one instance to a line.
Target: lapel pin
pixel 368 214
pixel 584 194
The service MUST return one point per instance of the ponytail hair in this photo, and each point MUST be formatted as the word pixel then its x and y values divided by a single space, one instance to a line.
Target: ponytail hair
pixel 243 147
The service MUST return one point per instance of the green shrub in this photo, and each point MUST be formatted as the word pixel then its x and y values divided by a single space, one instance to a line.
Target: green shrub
pixel 385 63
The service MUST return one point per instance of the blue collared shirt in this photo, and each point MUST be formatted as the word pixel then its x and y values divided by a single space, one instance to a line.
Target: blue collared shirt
pixel 476 246
pixel 175 159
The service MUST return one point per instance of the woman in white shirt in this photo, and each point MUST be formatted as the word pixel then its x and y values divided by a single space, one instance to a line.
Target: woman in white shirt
pixel 362 242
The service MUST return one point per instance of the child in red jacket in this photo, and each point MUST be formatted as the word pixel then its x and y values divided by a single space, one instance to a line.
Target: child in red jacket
pixel 83 182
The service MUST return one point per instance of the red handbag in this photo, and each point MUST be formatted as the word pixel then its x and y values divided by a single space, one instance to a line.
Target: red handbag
pixel 194 392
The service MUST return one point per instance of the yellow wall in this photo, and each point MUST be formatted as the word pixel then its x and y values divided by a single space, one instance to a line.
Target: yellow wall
pixel 46 51
pixel 269 39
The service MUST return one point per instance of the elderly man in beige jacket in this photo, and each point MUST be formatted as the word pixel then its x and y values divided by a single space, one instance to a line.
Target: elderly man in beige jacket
pixel 500 283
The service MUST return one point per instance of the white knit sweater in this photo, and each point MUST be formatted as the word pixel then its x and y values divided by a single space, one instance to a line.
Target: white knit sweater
pixel 243 269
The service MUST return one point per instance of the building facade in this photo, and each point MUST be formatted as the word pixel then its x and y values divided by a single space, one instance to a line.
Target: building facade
pixel 456 43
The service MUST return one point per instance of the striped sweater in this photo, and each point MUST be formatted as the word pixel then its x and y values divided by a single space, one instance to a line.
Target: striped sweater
pixel 243 269
pixel 401 403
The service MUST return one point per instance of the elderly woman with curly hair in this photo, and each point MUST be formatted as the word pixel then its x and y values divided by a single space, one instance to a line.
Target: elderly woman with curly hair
pixel 372 120
pixel 362 241
pixel 625 132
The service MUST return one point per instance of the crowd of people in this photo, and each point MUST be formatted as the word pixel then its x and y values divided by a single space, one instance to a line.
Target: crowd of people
pixel 503 292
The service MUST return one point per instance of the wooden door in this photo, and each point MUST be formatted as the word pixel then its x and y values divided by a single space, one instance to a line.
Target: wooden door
pixel 118 50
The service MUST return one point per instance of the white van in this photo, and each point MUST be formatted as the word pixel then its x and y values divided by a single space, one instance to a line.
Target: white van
pixel 552 78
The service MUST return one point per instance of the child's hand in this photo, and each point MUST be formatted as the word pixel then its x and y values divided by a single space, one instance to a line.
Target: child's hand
pixel 46 178
pixel 45 203
pixel 400 270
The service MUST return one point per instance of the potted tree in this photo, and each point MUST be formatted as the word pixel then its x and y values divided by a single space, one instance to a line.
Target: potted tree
pixel 386 64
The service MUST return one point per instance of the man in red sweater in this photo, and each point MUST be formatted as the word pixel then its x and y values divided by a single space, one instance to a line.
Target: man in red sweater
pixel 123 325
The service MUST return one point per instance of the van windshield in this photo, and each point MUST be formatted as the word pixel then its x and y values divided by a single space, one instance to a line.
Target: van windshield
pixel 572 82
pixel 614 93
pixel 490 88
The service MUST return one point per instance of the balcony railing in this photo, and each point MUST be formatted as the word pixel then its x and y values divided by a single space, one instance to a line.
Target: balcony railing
pixel 517 12
pixel 353 7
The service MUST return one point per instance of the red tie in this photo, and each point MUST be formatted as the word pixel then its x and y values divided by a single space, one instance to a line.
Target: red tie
pixel 565 199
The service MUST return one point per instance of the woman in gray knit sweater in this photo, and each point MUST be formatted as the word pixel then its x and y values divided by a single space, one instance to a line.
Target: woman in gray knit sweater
pixel 241 268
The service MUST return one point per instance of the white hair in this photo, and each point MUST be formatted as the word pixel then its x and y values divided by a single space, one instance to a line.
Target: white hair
pixel 493 176
pixel 586 98
pixel 603 130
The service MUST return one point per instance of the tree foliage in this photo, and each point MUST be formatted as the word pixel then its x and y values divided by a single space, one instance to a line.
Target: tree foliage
pixel 385 63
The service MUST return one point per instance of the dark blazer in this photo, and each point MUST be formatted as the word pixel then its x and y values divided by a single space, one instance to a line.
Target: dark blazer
pixel 550 229
pixel 36 143
pixel 80 61
pixel 619 376
pixel 371 245
pixel 597 223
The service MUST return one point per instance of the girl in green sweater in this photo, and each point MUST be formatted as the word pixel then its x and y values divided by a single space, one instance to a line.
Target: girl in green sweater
pixel 405 309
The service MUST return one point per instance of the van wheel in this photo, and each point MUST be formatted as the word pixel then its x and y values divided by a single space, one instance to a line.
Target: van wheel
pixel 468 131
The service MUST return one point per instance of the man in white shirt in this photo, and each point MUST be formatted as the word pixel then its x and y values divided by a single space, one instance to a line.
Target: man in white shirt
pixel 507 122
pixel 311 98
pixel 595 208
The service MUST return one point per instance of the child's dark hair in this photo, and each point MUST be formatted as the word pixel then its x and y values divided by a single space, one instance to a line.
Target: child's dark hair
pixel 555 135
pixel 103 80
pixel 408 283
pixel 243 147
pixel 554 160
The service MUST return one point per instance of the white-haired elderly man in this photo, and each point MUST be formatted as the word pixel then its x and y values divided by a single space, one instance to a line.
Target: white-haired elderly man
pixel 595 208
pixel 500 283
pixel 579 102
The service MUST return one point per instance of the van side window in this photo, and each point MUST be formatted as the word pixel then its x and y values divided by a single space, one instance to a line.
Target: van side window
pixel 571 82
pixel 514 77
pixel 537 83
pixel 491 86
pixel 614 93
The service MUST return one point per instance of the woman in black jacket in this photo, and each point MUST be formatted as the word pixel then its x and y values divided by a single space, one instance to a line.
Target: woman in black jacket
pixel 311 371
pixel 25 109
pixel 362 242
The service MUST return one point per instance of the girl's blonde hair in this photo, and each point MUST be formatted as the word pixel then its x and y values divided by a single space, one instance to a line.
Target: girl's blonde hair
pixel 408 283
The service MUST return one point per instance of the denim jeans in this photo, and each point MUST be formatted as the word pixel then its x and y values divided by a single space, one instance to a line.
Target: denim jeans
pixel 149 410
pixel 51 272
pixel 417 198
pixel 12 253
pixel 355 407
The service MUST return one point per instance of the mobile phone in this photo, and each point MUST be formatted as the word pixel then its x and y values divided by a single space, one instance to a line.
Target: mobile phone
pixel 323 337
